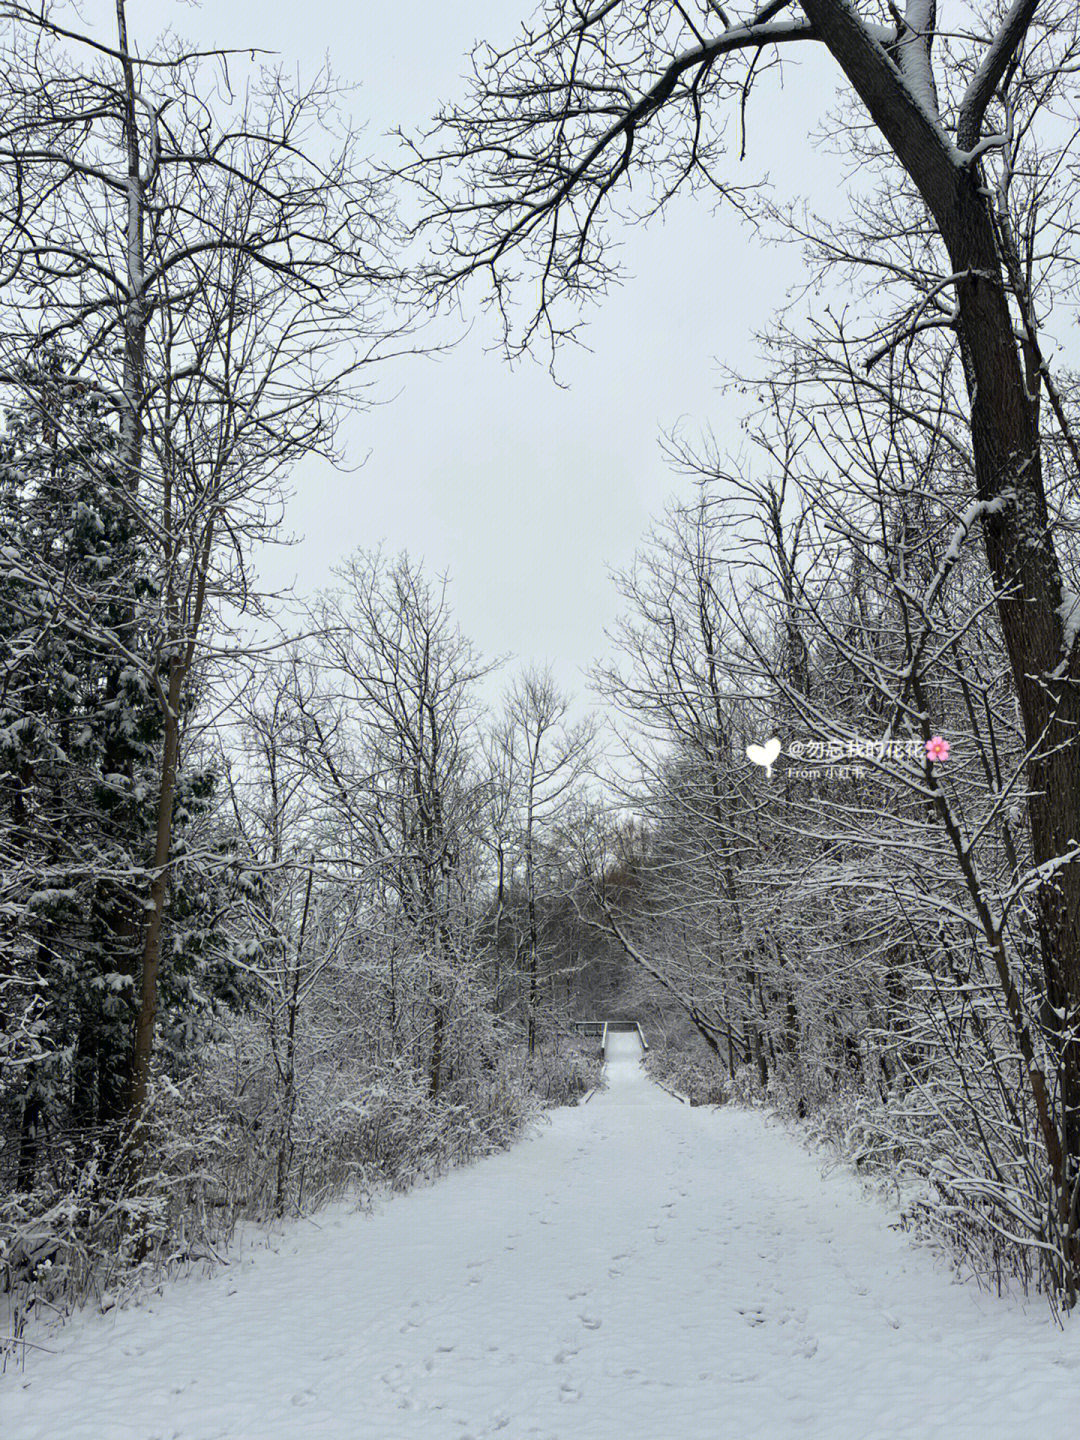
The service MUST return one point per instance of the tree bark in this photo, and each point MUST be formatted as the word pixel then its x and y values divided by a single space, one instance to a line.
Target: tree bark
pixel 151 957
pixel 1018 541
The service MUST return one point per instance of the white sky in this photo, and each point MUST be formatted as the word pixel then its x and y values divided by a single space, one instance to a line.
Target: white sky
pixel 525 493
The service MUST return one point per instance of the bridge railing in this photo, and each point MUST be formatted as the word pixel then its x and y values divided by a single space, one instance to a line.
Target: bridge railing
pixel 613 1027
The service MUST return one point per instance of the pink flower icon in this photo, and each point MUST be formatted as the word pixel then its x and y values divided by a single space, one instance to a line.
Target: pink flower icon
pixel 937 749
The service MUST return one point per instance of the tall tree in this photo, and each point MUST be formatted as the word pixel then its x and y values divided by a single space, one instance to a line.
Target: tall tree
pixel 403 678
pixel 542 757
pixel 215 281
pixel 590 99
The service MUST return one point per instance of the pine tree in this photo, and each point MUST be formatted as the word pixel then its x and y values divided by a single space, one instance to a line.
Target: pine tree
pixel 78 730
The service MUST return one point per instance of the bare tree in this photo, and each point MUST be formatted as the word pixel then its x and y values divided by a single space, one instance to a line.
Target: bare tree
pixel 542 758
pixel 400 671
pixel 681 721
pixel 591 99
pixel 212 274
pixel 301 895
pixel 892 899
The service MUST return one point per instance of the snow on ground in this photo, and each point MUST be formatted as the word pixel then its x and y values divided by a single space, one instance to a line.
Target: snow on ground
pixel 637 1270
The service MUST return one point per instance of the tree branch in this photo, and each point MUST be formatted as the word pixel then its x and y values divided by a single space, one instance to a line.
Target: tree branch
pixel 994 64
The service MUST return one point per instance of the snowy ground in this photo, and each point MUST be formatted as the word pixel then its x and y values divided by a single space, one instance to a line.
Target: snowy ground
pixel 638 1270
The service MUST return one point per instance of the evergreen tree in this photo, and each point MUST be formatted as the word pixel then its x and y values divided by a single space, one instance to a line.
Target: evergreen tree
pixel 80 727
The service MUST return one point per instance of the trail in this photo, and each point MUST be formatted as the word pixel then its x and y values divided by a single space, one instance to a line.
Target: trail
pixel 636 1270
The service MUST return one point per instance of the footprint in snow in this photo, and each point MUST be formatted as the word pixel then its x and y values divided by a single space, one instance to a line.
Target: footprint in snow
pixel 590 1322
pixel 568 1394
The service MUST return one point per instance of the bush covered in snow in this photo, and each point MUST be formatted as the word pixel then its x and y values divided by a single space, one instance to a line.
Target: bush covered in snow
pixel 689 1069
pixel 211 1159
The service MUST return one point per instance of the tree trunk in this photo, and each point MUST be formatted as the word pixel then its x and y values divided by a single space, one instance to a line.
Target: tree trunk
pixel 29 1144
pixel 438 1036
pixel 1018 540
pixel 151 958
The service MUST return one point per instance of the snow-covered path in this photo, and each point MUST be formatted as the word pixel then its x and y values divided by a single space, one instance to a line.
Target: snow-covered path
pixel 637 1270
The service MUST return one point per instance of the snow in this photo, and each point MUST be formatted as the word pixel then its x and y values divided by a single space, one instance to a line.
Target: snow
pixel 637 1269
pixel 1069 610
pixel 977 510
pixel 914 56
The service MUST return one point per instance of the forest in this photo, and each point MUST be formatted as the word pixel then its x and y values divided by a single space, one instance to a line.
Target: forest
pixel 309 899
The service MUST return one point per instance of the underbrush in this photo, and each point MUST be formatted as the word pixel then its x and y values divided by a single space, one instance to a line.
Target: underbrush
pixel 941 1187
pixel 213 1155
pixel 688 1069
pixel 568 1074
pixel 932 1174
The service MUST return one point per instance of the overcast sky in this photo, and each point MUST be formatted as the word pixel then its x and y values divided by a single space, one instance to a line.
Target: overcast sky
pixel 525 493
